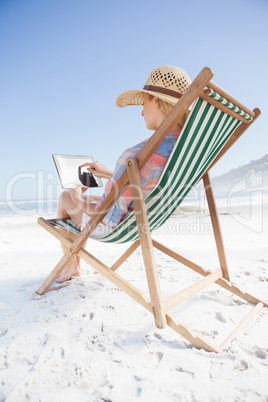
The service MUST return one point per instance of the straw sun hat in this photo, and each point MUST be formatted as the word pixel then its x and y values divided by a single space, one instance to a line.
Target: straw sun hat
pixel 166 82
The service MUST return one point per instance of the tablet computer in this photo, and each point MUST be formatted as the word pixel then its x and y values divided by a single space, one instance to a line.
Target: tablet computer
pixel 71 175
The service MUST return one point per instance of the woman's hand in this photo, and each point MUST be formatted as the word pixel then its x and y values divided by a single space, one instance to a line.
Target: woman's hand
pixel 98 169
pixel 80 190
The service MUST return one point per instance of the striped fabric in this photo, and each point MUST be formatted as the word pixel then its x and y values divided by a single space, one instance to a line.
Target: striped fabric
pixel 149 175
pixel 203 136
pixel 68 225
pixel 230 105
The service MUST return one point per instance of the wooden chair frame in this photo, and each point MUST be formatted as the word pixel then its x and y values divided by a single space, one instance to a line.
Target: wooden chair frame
pixel 155 304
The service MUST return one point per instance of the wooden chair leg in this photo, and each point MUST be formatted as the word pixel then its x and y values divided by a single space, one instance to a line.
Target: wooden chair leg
pixel 53 275
pixel 146 243
pixel 216 226
pixel 127 254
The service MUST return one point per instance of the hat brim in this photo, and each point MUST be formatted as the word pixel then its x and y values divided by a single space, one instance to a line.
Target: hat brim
pixel 135 97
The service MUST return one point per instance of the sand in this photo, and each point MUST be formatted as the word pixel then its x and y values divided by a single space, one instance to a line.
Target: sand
pixel 91 342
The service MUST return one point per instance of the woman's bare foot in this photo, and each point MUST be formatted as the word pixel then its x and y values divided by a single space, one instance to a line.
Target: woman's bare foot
pixel 68 273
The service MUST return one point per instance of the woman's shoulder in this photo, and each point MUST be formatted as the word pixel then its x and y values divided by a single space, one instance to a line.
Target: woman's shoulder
pixel 135 149
pixel 173 134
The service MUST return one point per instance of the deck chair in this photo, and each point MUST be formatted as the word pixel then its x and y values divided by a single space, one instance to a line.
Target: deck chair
pixel 215 123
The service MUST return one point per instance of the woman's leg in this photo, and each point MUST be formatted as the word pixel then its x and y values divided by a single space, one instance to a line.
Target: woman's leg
pixel 73 205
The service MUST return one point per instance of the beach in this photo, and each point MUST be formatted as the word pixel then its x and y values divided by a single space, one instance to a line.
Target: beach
pixel 91 342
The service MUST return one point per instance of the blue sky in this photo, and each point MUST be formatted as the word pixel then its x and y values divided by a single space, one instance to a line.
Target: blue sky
pixel 63 62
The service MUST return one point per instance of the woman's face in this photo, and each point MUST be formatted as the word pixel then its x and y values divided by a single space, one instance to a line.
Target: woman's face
pixel 153 116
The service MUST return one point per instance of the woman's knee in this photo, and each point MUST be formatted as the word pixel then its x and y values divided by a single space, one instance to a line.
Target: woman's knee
pixel 71 201
pixel 66 201
pixel 64 197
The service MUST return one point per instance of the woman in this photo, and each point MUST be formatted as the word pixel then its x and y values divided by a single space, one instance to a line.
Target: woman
pixel 162 90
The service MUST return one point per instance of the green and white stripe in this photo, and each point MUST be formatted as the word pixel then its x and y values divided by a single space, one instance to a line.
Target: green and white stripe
pixel 203 136
pixel 68 225
pixel 230 105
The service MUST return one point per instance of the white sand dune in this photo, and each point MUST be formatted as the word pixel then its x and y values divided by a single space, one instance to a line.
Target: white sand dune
pixel 91 342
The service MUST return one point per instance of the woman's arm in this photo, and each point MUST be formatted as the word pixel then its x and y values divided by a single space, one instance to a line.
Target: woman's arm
pixel 91 197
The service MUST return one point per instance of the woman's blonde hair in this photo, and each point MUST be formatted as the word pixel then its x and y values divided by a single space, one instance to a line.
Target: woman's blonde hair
pixel 166 107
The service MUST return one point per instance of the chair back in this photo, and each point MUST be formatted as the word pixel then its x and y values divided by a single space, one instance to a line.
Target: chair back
pixel 203 136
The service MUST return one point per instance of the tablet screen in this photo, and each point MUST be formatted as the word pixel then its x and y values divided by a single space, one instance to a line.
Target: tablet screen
pixel 67 168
